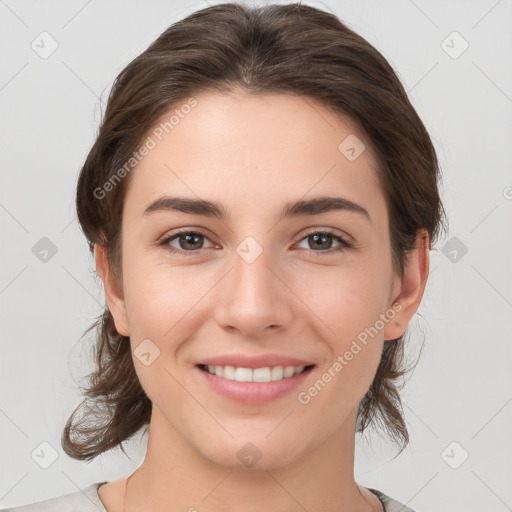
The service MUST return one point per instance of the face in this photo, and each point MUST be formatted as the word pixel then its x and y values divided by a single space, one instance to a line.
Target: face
pixel 315 287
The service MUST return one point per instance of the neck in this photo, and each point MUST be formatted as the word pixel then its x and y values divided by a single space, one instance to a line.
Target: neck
pixel 175 476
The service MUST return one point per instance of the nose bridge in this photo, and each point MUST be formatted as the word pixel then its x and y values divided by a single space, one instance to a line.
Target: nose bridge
pixel 252 297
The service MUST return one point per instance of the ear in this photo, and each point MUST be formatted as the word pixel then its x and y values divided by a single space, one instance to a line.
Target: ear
pixel 113 295
pixel 410 287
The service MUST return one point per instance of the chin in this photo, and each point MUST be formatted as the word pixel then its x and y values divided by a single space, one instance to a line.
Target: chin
pixel 251 456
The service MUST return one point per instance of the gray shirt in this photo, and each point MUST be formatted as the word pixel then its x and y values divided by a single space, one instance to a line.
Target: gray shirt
pixel 87 500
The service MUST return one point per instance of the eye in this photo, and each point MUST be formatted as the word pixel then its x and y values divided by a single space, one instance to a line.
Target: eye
pixel 322 240
pixel 189 242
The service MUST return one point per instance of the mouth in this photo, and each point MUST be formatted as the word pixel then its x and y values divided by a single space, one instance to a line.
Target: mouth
pixel 253 386
pixel 260 375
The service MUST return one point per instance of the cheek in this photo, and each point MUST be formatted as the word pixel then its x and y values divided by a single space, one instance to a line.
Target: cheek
pixel 349 301
pixel 160 308
pixel 351 308
pixel 158 295
pixel 347 298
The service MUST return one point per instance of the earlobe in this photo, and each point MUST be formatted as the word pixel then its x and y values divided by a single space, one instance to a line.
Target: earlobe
pixel 413 284
pixel 113 296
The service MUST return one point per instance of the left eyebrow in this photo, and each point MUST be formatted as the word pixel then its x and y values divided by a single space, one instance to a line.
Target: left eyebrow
pixel 206 208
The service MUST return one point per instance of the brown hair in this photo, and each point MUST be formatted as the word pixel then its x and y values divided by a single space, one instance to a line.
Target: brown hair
pixel 289 49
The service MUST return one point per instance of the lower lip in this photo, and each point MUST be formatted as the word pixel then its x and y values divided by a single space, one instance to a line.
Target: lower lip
pixel 253 393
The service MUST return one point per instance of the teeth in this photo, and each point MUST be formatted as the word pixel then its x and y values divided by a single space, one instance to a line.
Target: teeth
pixel 266 374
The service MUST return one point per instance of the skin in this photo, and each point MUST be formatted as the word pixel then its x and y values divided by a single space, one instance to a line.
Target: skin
pixel 244 152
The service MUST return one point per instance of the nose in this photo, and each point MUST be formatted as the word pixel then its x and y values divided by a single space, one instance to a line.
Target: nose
pixel 253 297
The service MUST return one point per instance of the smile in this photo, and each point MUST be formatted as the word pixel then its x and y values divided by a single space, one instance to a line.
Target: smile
pixel 253 386
pixel 265 374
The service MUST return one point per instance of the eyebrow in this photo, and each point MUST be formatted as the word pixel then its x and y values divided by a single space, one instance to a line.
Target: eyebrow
pixel 206 208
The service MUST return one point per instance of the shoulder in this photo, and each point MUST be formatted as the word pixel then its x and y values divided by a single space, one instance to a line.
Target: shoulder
pixel 390 505
pixel 85 500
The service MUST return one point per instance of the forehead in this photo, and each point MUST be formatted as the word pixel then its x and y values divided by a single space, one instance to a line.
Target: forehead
pixel 243 148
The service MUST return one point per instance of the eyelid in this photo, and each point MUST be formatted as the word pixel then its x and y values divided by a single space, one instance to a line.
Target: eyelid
pixel 330 231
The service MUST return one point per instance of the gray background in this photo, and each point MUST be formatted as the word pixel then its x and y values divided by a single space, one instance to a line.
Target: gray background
pixel 461 389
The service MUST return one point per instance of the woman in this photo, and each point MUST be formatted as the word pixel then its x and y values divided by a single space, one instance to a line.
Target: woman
pixel 260 201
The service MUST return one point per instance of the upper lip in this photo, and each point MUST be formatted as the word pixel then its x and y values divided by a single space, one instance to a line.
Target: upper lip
pixel 260 361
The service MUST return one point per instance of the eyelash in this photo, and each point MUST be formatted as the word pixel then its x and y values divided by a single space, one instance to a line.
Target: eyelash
pixel 344 243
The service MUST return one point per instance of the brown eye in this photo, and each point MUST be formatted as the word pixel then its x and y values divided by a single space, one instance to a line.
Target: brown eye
pixel 322 241
pixel 185 242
